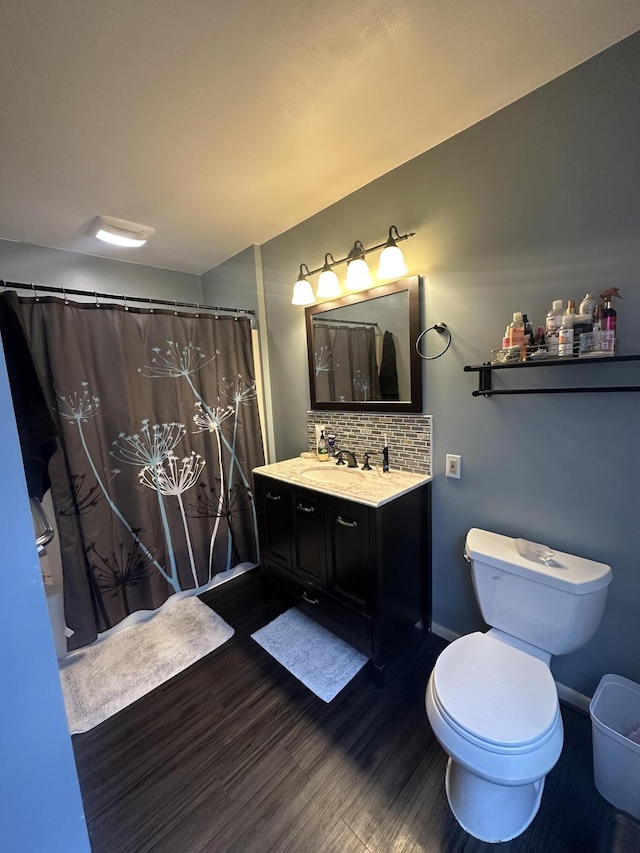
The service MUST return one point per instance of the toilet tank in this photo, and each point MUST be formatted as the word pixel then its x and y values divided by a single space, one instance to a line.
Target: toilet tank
pixel 555 605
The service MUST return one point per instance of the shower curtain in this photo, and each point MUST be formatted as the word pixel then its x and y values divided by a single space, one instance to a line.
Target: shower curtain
pixel 158 432
pixel 346 366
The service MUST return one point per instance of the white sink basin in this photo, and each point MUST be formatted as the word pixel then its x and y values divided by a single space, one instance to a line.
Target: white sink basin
pixel 333 474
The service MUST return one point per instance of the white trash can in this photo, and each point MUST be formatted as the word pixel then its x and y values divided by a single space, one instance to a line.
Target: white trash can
pixel 615 718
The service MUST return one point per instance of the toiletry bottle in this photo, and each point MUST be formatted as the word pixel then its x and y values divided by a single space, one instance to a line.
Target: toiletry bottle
pixel 565 337
pixel 331 441
pixel 552 327
pixel 505 340
pixel 609 323
pixel 516 334
pixel 385 455
pixel 609 315
pixel 571 306
pixel 529 337
pixel 587 305
pixel 323 449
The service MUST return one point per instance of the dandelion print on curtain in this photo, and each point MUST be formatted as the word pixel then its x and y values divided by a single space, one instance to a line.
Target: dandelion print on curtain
pixel 158 432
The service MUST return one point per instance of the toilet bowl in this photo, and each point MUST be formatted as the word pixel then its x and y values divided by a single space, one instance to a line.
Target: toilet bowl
pixel 491 699
pixel 494 709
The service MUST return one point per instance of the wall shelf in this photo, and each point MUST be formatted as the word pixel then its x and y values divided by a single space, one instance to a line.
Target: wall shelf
pixel 485 371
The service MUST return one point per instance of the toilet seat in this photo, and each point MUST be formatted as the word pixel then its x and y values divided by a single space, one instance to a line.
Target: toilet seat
pixel 495 696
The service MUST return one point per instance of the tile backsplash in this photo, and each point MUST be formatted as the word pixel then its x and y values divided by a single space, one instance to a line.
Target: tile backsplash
pixel 408 436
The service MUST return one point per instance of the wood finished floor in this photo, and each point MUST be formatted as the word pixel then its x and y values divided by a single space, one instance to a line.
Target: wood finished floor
pixel 235 755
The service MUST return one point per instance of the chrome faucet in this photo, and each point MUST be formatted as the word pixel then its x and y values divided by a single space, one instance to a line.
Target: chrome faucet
pixel 351 459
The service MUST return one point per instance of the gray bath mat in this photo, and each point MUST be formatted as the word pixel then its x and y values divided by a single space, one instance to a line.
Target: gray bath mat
pixel 320 660
pixel 102 679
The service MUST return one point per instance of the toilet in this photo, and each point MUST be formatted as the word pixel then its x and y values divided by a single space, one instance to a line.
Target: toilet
pixel 491 699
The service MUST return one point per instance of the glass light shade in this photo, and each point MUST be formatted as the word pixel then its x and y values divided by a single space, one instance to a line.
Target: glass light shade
pixel 392 263
pixel 328 285
pixel 120 232
pixel 302 293
pixel 119 239
pixel 358 275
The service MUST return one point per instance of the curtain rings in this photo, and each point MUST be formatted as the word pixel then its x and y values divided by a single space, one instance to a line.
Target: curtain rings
pixel 35 292
pixel 175 309
pixel 126 306
pixel 64 294
pixel 95 293
pixel 150 306
pixel 197 309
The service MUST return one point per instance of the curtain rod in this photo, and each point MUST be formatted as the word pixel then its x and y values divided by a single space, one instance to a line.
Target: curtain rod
pixel 123 298
pixel 317 320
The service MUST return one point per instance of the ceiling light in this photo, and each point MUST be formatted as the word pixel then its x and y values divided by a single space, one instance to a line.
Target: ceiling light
pixel 119 232
pixel 358 275
pixel 328 284
pixel 302 291
pixel 391 264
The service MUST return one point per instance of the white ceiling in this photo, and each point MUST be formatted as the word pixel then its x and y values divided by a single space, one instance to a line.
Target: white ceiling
pixel 223 124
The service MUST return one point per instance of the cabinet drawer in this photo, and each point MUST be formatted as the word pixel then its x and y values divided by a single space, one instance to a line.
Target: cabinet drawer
pixel 350 625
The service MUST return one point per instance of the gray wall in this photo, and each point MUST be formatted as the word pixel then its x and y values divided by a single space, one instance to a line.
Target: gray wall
pixel 540 201
pixel 25 263
pixel 233 284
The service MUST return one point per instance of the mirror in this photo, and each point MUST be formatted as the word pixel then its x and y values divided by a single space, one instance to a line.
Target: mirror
pixel 361 350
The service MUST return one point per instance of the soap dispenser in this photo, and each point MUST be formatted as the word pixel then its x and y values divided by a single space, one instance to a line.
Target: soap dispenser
pixel 323 448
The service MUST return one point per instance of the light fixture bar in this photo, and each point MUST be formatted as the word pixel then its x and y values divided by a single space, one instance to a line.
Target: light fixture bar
pixel 397 238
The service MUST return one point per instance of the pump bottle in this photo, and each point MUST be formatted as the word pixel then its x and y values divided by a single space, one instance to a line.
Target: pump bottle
pixel 323 449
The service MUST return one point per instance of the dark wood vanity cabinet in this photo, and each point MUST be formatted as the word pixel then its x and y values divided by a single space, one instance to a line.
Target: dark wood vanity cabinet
pixel 362 572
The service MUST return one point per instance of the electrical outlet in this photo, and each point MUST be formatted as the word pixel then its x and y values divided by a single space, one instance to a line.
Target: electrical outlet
pixel 453 465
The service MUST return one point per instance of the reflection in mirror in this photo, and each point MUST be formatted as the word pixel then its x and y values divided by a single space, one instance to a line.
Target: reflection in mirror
pixel 361 350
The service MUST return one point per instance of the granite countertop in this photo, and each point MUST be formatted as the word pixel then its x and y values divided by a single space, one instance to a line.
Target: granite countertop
pixel 372 488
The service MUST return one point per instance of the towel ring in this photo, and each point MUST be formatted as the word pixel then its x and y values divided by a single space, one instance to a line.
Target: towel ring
pixel 441 329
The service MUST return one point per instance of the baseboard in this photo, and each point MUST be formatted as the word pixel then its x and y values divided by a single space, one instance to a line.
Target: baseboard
pixel 568 695
pixel 443 632
pixel 571 697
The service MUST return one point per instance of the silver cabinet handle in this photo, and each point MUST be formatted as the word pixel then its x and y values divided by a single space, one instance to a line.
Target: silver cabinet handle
pixel 344 523
pixel 309 600
pixel 305 508
pixel 273 497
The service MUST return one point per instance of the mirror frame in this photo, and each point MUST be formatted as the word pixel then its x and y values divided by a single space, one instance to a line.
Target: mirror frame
pixel 412 286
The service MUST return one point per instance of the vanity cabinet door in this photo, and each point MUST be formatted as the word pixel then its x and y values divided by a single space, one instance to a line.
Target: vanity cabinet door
pixel 273 500
pixel 348 570
pixel 309 537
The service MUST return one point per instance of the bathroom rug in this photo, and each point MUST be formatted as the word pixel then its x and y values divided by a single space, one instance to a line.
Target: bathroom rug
pixel 321 661
pixel 101 679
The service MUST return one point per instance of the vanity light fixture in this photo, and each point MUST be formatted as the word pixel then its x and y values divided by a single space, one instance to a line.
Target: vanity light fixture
pixel 358 275
pixel 391 265
pixel 302 291
pixel 328 284
pixel 119 232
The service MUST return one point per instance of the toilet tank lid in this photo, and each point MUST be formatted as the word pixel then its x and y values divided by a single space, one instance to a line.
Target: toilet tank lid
pixel 564 571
